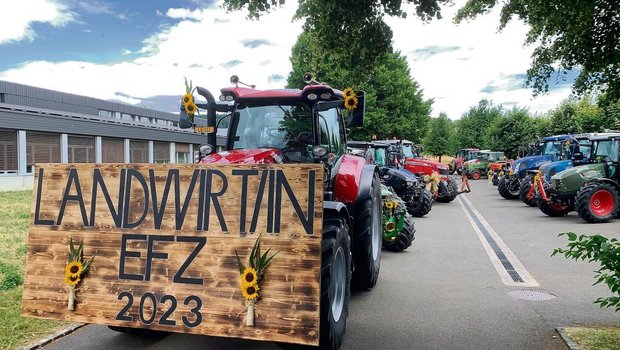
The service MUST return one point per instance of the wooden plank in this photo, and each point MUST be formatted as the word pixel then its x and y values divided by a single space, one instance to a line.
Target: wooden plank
pixel 141 240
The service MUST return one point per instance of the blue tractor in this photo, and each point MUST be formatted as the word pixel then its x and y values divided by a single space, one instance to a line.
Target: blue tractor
pixel 553 149
pixel 528 189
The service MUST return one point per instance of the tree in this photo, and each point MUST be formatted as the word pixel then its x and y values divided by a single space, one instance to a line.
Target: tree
pixel 578 116
pixel 510 132
pixel 579 34
pixel 395 105
pixel 473 125
pixel 583 35
pixel 439 141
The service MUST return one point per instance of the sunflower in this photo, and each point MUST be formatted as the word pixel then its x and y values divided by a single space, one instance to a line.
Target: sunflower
pixel 190 108
pixel 187 98
pixel 348 92
pixel 250 291
pixel 249 276
pixel 72 280
pixel 350 103
pixel 74 269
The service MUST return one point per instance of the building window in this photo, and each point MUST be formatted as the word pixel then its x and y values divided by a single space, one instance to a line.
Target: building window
pixel 138 151
pixel 8 151
pixel 112 150
pixel 2 98
pixel 81 149
pixel 161 152
pixel 41 148
pixel 182 153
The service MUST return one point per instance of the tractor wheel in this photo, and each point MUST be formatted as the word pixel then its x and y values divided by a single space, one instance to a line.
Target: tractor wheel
pixel 459 170
pixel 447 191
pixel 597 202
pixel 554 209
pixel 367 238
pixel 422 206
pixel 404 238
pixel 504 190
pixel 476 175
pixel 524 189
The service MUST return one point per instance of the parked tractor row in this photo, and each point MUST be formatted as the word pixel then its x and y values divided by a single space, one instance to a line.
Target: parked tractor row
pixel 572 173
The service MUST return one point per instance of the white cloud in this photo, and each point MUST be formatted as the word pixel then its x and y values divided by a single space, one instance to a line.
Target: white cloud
pixel 194 48
pixel 16 18
pixel 455 65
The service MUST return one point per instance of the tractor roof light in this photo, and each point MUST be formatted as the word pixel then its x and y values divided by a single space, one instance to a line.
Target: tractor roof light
pixel 312 96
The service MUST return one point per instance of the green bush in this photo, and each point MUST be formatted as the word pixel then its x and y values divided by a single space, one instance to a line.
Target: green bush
pixel 602 250
pixel 11 277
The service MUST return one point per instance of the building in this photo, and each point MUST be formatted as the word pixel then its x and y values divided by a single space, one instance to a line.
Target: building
pixel 45 126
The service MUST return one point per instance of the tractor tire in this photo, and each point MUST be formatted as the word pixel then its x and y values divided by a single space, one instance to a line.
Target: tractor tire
pixel 476 175
pixel 504 191
pixel 459 170
pixel 404 238
pixel 553 209
pixel 367 238
pixel 422 206
pixel 524 189
pixel 597 202
pixel 448 192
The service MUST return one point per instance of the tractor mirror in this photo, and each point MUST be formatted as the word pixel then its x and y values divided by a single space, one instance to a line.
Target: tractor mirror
pixel 186 121
pixel 356 117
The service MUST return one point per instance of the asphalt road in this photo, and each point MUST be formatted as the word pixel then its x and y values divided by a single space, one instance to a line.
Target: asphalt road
pixel 444 292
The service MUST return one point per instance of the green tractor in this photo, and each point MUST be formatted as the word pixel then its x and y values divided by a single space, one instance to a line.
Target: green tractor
pixel 590 189
pixel 398 224
pixel 479 167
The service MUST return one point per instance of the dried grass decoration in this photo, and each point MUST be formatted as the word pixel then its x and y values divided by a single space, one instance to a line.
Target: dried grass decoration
pixel 432 182
pixel 75 270
pixel 252 276
pixel 350 99
pixel 188 100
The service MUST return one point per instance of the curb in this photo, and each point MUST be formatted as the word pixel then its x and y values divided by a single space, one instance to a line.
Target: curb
pixel 41 343
pixel 567 340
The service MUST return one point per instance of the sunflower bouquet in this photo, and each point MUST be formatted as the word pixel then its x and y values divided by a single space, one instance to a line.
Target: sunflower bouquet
pixel 350 99
pixel 432 182
pixel 75 270
pixel 188 100
pixel 252 276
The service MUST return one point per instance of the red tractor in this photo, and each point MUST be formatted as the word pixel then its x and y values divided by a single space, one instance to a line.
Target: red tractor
pixel 463 155
pixel 308 126
pixel 407 155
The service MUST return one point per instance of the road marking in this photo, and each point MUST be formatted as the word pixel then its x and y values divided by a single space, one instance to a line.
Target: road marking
pixel 509 268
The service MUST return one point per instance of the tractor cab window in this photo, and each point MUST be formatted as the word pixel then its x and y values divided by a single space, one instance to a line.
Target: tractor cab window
pixel 606 150
pixel 330 135
pixel 408 151
pixel 380 156
pixel 286 127
pixel 553 148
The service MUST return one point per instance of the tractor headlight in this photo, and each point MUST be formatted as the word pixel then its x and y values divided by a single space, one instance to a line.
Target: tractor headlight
pixel 205 149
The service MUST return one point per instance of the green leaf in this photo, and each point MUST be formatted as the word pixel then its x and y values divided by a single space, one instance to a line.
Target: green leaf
pixel 239 264
pixel 87 265
pixel 572 236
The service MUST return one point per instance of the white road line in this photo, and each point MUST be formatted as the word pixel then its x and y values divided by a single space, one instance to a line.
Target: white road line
pixel 507 279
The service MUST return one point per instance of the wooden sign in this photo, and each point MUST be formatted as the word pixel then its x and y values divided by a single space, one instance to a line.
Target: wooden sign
pixel 164 238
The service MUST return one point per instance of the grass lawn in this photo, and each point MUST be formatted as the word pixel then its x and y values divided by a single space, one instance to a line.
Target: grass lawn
pixel 16 331
pixel 598 338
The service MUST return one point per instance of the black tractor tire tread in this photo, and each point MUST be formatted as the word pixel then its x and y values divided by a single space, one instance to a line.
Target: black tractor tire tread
pixel 451 191
pixel 502 188
pixel 423 206
pixel 524 188
pixel 547 209
pixel 405 237
pixel 582 202
pixel 366 269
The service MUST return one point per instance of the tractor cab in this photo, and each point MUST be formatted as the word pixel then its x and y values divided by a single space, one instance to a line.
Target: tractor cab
pixel 605 149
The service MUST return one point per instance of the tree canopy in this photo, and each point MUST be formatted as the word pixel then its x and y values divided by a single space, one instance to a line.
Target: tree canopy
pixel 439 140
pixel 581 35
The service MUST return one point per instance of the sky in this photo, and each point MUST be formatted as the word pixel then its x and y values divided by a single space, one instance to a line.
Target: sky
pixel 138 52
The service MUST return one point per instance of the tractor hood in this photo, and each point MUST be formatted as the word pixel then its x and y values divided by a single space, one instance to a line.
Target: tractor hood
pixel 245 156
pixel 552 168
pixel 570 180
pixel 521 166
pixel 429 162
